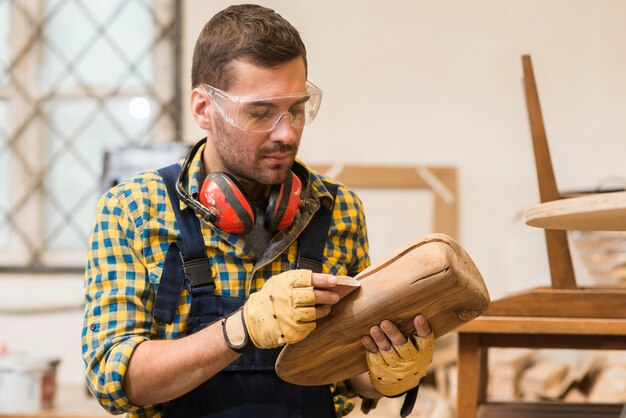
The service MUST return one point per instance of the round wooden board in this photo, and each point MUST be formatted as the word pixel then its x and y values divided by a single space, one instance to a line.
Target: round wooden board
pixel 596 212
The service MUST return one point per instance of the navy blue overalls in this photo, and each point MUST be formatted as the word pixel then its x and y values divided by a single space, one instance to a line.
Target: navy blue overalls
pixel 248 387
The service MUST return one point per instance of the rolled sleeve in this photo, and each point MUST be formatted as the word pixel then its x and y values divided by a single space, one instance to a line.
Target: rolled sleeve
pixel 117 303
pixel 105 376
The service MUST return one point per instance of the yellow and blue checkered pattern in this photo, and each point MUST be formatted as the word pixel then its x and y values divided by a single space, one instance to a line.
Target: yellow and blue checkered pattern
pixel 133 228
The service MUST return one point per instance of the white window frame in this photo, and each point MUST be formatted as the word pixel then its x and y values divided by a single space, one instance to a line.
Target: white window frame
pixel 22 182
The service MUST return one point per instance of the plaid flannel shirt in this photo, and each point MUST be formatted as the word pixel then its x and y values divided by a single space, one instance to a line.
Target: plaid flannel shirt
pixel 133 228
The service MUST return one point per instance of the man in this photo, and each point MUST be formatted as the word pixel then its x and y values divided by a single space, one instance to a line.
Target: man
pixel 197 275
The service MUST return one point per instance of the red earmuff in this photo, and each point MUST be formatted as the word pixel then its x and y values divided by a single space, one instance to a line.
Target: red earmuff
pixel 283 204
pixel 226 200
pixel 234 212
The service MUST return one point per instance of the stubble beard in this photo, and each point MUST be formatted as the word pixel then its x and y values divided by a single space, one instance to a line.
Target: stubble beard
pixel 239 163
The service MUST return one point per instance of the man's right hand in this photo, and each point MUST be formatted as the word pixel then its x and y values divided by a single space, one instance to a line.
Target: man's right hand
pixel 283 311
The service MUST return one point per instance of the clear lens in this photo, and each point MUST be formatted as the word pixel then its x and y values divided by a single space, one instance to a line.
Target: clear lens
pixel 264 114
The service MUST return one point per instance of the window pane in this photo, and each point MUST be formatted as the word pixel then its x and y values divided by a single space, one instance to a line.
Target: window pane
pixel 94 87
pixel 80 133
pixel 118 55
pixel 4 40
pixel 4 176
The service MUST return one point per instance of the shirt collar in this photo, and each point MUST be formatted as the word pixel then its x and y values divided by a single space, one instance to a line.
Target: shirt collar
pixel 315 187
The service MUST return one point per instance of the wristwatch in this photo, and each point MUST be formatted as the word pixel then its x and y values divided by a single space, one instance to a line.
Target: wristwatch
pixel 235 332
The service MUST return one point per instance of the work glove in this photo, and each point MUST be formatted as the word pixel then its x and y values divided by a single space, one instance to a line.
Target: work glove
pixel 402 368
pixel 282 312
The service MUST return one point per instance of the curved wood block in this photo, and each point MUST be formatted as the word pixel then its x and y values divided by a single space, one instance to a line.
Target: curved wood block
pixel 434 277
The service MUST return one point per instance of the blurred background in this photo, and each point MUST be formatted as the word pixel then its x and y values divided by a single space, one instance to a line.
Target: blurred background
pixel 406 83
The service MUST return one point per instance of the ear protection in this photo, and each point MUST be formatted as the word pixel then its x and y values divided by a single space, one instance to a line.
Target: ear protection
pixel 234 212
pixel 225 204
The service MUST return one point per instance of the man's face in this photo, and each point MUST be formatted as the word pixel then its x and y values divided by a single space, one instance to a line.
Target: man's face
pixel 259 157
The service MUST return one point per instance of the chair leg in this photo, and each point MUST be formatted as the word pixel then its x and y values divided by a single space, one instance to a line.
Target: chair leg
pixel 471 382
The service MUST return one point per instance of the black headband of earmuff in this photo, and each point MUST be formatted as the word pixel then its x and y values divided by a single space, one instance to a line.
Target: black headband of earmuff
pixel 193 203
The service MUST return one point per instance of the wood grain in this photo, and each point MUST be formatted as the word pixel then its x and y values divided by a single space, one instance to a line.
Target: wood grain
pixel 434 277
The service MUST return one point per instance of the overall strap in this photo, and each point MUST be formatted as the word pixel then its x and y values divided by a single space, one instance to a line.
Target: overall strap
pixel 312 240
pixel 186 259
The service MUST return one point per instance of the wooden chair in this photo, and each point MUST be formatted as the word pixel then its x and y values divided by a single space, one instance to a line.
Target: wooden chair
pixel 561 316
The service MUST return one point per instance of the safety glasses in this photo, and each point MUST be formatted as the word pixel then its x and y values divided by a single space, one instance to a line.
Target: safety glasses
pixel 266 113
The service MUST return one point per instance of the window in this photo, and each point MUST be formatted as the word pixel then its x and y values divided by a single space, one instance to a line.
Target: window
pixel 4 165
pixel 77 77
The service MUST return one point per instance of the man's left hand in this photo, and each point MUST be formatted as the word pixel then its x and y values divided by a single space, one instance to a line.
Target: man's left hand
pixel 397 363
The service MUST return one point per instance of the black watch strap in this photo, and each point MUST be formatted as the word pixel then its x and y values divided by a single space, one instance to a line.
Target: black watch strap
pixel 409 402
pixel 235 332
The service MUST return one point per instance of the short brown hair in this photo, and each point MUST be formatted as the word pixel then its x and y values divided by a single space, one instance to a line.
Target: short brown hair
pixel 247 32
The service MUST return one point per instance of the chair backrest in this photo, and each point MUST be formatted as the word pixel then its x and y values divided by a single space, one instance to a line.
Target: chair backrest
pixel 561 267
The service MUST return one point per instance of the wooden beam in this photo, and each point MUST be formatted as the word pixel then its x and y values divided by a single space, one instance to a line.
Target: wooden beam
pixel 566 303
pixel 561 268
pixel 445 206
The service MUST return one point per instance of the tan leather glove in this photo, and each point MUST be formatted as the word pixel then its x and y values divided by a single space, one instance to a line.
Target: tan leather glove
pixel 402 368
pixel 282 312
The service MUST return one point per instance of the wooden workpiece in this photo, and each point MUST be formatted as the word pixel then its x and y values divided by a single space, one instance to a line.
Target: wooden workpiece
pixel 434 277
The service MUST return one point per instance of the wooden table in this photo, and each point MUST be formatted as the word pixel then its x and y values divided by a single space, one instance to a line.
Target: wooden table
pixel 594 212
pixel 476 337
